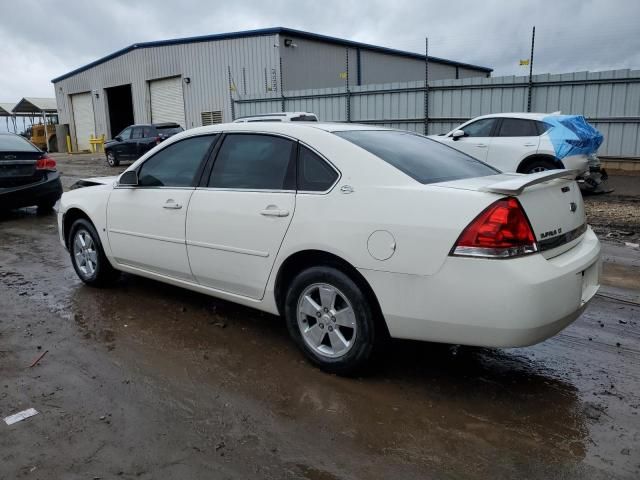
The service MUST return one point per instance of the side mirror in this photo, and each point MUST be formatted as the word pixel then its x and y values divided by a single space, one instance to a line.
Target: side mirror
pixel 118 138
pixel 129 178
pixel 457 135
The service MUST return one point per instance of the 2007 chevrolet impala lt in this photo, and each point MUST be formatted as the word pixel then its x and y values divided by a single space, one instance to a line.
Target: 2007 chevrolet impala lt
pixel 352 233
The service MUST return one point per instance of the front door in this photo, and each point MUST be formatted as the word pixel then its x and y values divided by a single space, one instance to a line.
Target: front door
pixel 146 223
pixel 476 139
pixel 236 224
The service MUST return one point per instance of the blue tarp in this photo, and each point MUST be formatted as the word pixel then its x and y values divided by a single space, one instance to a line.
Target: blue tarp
pixel 572 135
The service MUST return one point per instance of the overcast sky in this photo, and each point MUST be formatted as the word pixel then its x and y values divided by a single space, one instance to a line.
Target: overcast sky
pixel 41 39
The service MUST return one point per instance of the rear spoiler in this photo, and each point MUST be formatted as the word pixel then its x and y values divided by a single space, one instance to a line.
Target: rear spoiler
pixel 518 183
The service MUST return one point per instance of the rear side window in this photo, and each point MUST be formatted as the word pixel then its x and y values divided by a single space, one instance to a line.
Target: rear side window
pixel 517 127
pixel 137 132
pixel 304 118
pixel 148 132
pixel 423 159
pixel 480 128
pixel 254 162
pixel 175 165
pixel 15 143
pixel 542 127
pixel 314 174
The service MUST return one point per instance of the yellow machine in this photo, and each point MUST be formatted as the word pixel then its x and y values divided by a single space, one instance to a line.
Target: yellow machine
pixel 45 141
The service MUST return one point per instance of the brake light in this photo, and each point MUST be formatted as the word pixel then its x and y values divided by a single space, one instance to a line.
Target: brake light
pixel 45 163
pixel 158 140
pixel 502 230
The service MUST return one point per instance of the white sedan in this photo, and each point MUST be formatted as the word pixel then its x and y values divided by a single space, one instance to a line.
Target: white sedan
pixel 352 233
pixel 527 142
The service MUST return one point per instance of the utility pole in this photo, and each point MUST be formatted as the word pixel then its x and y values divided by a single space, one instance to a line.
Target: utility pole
pixel 426 85
pixel 533 42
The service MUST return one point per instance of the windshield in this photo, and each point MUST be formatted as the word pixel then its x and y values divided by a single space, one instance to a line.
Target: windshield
pixel 423 159
pixel 169 130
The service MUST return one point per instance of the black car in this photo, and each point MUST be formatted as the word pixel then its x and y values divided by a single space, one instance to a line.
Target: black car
pixel 136 140
pixel 28 175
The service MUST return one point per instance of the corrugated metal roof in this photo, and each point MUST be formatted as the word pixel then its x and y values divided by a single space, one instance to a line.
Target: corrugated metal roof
pixel 5 109
pixel 35 105
pixel 264 32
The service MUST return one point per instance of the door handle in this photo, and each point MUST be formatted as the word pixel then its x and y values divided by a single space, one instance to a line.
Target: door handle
pixel 529 145
pixel 171 205
pixel 274 212
pixel 481 145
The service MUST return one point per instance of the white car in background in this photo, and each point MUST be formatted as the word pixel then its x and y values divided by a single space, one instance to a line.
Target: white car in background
pixel 527 142
pixel 350 232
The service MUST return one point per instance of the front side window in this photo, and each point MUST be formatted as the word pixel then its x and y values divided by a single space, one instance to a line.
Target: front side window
pixel 423 159
pixel 481 128
pixel 125 134
pixel 517 127
pixel 177 164
pixel 254 162
pixel 314 174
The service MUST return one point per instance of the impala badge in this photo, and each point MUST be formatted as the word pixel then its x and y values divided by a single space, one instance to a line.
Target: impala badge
pixel 573 207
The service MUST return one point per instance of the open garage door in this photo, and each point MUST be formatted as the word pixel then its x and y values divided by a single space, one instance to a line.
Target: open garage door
pixel 83 119
pixel 120 108
pixel 167 103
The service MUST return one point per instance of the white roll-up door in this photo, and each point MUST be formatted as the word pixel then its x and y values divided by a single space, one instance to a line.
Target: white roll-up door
pixel 167 104
pixel 83 119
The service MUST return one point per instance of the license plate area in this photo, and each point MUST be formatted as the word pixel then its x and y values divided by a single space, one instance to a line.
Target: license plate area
pixel 590 281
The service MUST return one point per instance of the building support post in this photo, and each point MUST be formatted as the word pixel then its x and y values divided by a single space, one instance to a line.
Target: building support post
pixel 530 91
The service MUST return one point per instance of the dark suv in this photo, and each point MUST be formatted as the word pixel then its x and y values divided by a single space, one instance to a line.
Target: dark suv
pixel 136 140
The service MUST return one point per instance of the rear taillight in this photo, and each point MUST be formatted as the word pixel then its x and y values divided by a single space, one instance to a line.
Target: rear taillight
pixel 502 230
pixel 45 163
pixel 159 139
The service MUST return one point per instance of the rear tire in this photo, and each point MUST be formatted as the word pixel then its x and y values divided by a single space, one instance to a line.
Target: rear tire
pixel 331 320
pixel 540 166
pixel 87 255
pixel 112 159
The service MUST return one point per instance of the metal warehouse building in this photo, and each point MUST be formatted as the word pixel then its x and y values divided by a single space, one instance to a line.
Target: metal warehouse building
pixel 190 81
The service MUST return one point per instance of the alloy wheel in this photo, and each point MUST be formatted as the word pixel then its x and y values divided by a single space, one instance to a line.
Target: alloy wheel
pixel 84 252
pixel 326 320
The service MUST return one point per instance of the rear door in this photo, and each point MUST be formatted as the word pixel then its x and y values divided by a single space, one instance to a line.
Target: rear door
pixel 237 221
pixel 476 139
pixel 135 145
pixel 515 140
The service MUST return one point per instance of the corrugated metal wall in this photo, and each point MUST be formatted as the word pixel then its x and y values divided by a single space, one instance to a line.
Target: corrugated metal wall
pixel 610 100
pixel 205 63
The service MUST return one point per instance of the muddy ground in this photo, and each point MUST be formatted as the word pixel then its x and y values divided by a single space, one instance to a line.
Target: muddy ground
pixel 144 380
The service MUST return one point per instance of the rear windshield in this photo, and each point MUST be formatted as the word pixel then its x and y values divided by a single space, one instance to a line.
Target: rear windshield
pixel 15 143
pixel 169 130
pixel 423 159
pixel 304 118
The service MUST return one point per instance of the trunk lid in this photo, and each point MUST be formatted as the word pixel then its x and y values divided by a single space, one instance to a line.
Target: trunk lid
pixel 551 200
pixel 19 168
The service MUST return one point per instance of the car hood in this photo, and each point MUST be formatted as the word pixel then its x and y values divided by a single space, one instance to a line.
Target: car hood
pixel 93 181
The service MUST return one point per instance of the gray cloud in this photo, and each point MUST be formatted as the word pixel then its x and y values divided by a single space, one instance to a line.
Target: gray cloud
pixel 42 39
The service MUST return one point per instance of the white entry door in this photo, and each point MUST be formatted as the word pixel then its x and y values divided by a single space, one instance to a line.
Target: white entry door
pixel 83 120
pixel 167 102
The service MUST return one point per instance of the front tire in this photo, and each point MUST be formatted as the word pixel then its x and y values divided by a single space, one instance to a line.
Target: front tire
pixel 331 320
pixel 87 255
pixel 112 159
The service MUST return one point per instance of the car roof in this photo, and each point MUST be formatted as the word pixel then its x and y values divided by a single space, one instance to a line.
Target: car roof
pixel 524 115
pixel 281 127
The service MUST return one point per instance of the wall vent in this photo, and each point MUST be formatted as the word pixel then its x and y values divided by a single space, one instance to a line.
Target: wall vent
pixel 211 118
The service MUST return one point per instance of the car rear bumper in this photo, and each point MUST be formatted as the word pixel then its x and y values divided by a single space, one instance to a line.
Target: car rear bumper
pixel 49 189
pixel 493 303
